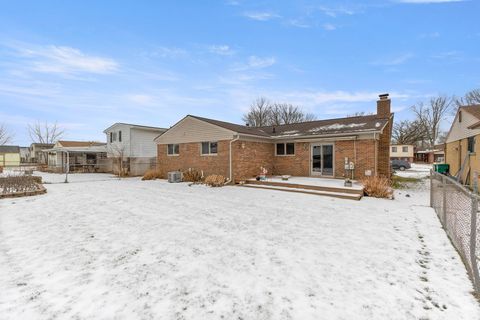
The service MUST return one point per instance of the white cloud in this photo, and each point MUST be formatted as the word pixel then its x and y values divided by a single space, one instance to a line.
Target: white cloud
pixel 428 1
pixel 168 52
pixel 257 62
pixel 335 12
pixel 329 27
pixel 298 23
pixel 223 50
pixel 429 35
pixel 393 61
pixel 66 60
pixel 261 16
pixel 140 99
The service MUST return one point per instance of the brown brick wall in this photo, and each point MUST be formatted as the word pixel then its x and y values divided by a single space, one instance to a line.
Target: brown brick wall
pixel 383 158
pixel 190 157
pixel 294 165
pixel 249 156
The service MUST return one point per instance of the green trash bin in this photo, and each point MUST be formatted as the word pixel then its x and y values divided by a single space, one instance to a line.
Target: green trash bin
pixel 442 168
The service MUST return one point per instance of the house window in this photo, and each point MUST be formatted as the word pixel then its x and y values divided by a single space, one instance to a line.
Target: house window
pixel 404 149
pixel 459 116
pixel 120 136
pixel 209 147
pixel 471 144
pixel 394 149
pixel 173 149
pixel 284 149
pixel 111 137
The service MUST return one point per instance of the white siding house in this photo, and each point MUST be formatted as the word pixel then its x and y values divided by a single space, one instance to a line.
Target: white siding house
pixel 134 145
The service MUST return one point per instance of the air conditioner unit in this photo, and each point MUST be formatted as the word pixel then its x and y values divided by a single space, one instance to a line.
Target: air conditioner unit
pixel 174 177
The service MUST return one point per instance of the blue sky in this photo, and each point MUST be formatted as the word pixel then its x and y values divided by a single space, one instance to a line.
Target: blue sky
pixel 88 64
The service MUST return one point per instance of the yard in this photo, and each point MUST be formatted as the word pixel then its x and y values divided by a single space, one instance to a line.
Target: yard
pixel 105 248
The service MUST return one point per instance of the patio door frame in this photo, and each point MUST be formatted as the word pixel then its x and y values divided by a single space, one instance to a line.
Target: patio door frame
pixel 321 144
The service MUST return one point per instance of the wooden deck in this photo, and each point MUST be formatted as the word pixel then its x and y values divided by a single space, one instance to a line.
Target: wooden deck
pixel 309 185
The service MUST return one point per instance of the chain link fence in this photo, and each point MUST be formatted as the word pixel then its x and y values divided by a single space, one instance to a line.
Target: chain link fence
pixel 457 209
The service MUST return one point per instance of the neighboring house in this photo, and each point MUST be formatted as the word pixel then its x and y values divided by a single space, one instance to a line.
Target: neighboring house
pixel 9 156
pixel 24 154
pixel 401 152
pixel 78 156
pixel 461 144
pixel 36 152
pixel 133 145
pixel 316 148
pixel 430 155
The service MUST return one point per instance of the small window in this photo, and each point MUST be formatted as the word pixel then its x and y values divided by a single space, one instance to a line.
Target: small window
pixel 209 147
pixel 459 116
pixel 111 137
pixel 114 136
pixel 394 149
pixel 404 149
pixel 471 144
pixel 173 149
pixel 285 149
pixel 120 136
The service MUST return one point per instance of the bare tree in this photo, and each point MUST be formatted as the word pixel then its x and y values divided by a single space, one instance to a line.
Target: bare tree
pixel 45 133
pixel 259 113
pixel 285 113
pixel 119 160
pixel 263 113
pixel 471 97
pixel 408 132
pixel 430 116
pixel 5 136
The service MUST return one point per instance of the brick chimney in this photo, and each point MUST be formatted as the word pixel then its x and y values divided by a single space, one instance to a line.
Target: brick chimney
pixel 383 106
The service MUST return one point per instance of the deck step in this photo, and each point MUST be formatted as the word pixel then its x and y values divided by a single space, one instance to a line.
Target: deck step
pixel 341 195
pixel 354 191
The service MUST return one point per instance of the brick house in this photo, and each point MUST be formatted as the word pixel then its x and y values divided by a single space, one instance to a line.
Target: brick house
pixel 315 148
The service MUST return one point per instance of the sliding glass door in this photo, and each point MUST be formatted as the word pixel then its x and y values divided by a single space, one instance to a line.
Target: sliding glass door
pixel 322 160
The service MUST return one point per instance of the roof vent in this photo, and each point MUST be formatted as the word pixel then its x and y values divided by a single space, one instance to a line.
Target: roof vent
pixel 383 96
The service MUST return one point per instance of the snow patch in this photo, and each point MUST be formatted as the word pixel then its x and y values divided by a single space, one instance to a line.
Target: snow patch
pixel 337 126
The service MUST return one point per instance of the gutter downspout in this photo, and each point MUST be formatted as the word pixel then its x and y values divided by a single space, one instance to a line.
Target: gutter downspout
pixel 376 153
pixel 230 159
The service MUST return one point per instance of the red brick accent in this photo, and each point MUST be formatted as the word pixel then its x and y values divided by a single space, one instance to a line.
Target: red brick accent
pixel 294 165
pixel 190 157
pixel 249 156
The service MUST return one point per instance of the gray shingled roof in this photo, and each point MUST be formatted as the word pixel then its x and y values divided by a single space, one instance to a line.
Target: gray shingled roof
pixel 9 149
pixel 350 125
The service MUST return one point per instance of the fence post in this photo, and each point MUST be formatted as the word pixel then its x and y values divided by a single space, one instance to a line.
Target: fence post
pixel 431 188
pixel 473 234
pixel 444 206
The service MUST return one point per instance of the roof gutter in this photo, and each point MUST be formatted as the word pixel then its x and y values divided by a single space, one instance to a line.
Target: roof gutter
pixel 230 158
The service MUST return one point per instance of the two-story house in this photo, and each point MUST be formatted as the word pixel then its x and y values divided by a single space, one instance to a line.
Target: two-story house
pixel 131 147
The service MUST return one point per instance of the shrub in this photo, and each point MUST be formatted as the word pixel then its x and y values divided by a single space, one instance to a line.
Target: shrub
pixel 13 184
pixel 192 175
pixel 152 175
pixel 378 187
pixel 215 180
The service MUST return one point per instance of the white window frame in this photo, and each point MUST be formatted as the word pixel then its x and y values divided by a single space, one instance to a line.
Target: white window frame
pixel 403 149
pixel 285 149
pixel 209 148
pixel 173 154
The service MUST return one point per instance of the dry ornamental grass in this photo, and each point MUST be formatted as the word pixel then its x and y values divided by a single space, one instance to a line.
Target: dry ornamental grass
pixel 378 187
pixel 215 180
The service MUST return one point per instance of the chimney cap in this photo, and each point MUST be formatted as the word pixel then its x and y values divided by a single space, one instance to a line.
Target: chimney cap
pixel 383 96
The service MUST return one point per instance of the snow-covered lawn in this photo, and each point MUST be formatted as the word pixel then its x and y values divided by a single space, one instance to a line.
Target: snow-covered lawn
pixel 131 249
